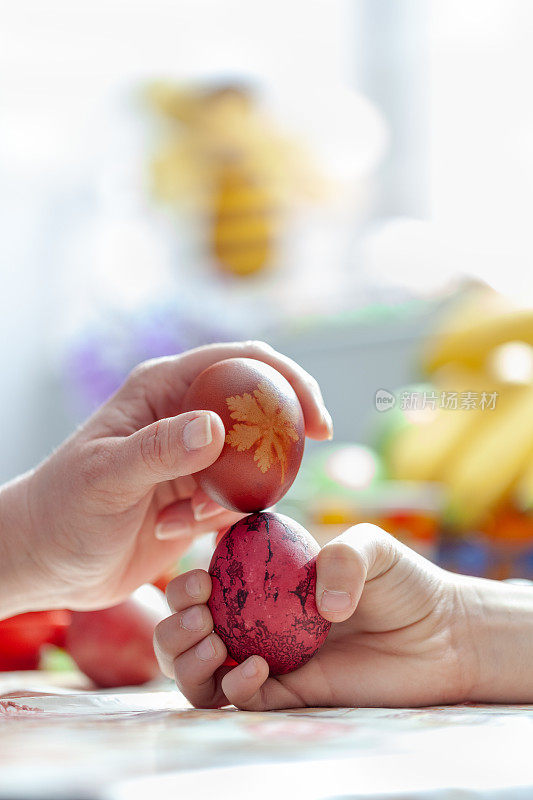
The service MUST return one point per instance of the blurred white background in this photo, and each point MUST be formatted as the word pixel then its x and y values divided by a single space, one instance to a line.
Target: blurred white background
pixel 452 196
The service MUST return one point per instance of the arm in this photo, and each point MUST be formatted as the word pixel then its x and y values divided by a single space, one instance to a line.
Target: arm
pixel 18 591
pixel 500 622
pixel 404 633
pixel 117 504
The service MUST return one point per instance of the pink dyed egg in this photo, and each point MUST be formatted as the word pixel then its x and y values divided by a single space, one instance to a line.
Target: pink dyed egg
pixel 263 596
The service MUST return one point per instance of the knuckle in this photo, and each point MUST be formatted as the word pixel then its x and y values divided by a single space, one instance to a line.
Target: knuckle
pixel 165 636
pixel 159 631
pixel 383 547
pixel 172 589
pixel 336 556
pixel 259 347
pixel 370 531
pixel 144 369
pixel 95 467
pixel 383 540
pixel 336 551
pixel 158 648
pixel 313 384
pixel 139 371
pixel 159 447
pixel 181 677
pixel 144 373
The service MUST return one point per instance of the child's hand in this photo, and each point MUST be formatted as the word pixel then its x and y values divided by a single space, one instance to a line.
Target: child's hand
pixel 400 636
pixel 117 502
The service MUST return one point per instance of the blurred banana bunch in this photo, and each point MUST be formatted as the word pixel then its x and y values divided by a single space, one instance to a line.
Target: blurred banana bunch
pixel 221 158
pixel 478 439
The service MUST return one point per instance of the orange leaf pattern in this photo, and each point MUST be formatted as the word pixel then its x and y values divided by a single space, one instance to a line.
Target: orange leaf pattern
pixel 260 421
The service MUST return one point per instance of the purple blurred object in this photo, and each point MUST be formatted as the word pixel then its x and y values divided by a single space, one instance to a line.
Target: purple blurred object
pixel 100 359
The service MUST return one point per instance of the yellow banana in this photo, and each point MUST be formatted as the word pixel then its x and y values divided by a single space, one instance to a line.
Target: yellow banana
pixel 423 450
pixel 420 451
pixel 498 450
pixel 471 342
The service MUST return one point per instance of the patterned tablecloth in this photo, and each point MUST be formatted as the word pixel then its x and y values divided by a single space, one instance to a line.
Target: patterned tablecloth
pixel 61 742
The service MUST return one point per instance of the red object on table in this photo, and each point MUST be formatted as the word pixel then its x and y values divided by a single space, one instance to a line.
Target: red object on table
pixel 114 646
pixel 23 636
pixel 163 580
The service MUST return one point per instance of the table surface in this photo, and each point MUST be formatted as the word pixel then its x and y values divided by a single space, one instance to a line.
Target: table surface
pixel 57 739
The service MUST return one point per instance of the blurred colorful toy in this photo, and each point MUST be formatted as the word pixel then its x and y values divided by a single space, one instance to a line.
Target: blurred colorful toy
pixel 503 549
pixel 343 484
pixel 228 163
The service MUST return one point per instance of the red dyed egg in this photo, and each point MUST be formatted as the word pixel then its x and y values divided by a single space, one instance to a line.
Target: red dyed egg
pixel 264 432
pixel 114 646
pixel 263 597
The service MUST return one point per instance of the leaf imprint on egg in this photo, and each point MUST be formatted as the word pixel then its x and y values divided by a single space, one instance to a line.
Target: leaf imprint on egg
pixel 263 423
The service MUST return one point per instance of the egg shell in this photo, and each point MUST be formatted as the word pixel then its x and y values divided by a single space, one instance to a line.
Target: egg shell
pixel 263 575
pixel 265 433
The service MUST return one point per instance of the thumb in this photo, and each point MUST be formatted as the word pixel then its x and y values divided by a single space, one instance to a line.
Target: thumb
pixel 360 554
pixel 168 449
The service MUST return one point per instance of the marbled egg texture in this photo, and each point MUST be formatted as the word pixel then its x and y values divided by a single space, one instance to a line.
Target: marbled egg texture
pixel 263 597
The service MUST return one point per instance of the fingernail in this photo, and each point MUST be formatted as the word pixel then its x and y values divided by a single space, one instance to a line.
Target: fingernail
pixel 328 422
pixel 205 650
pixel 335 601
pixel 249 668
pixel 192 619
pixel 206 509
pixel 197 433
pixel 172 530
pixel 193 584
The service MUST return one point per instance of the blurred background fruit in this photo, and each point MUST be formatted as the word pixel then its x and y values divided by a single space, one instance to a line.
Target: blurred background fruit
pixel 114 646
pixel 477 440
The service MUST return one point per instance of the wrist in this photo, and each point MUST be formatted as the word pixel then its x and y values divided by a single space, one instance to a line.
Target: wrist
pixel 499 619
pixel 19 587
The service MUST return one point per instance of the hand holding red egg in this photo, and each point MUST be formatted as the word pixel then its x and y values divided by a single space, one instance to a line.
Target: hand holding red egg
pixel 128 478
pixel 264 426
pixel 397 636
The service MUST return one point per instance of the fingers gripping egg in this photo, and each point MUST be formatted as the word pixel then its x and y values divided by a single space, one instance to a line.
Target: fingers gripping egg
pixel 263 592
pixel 264 432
